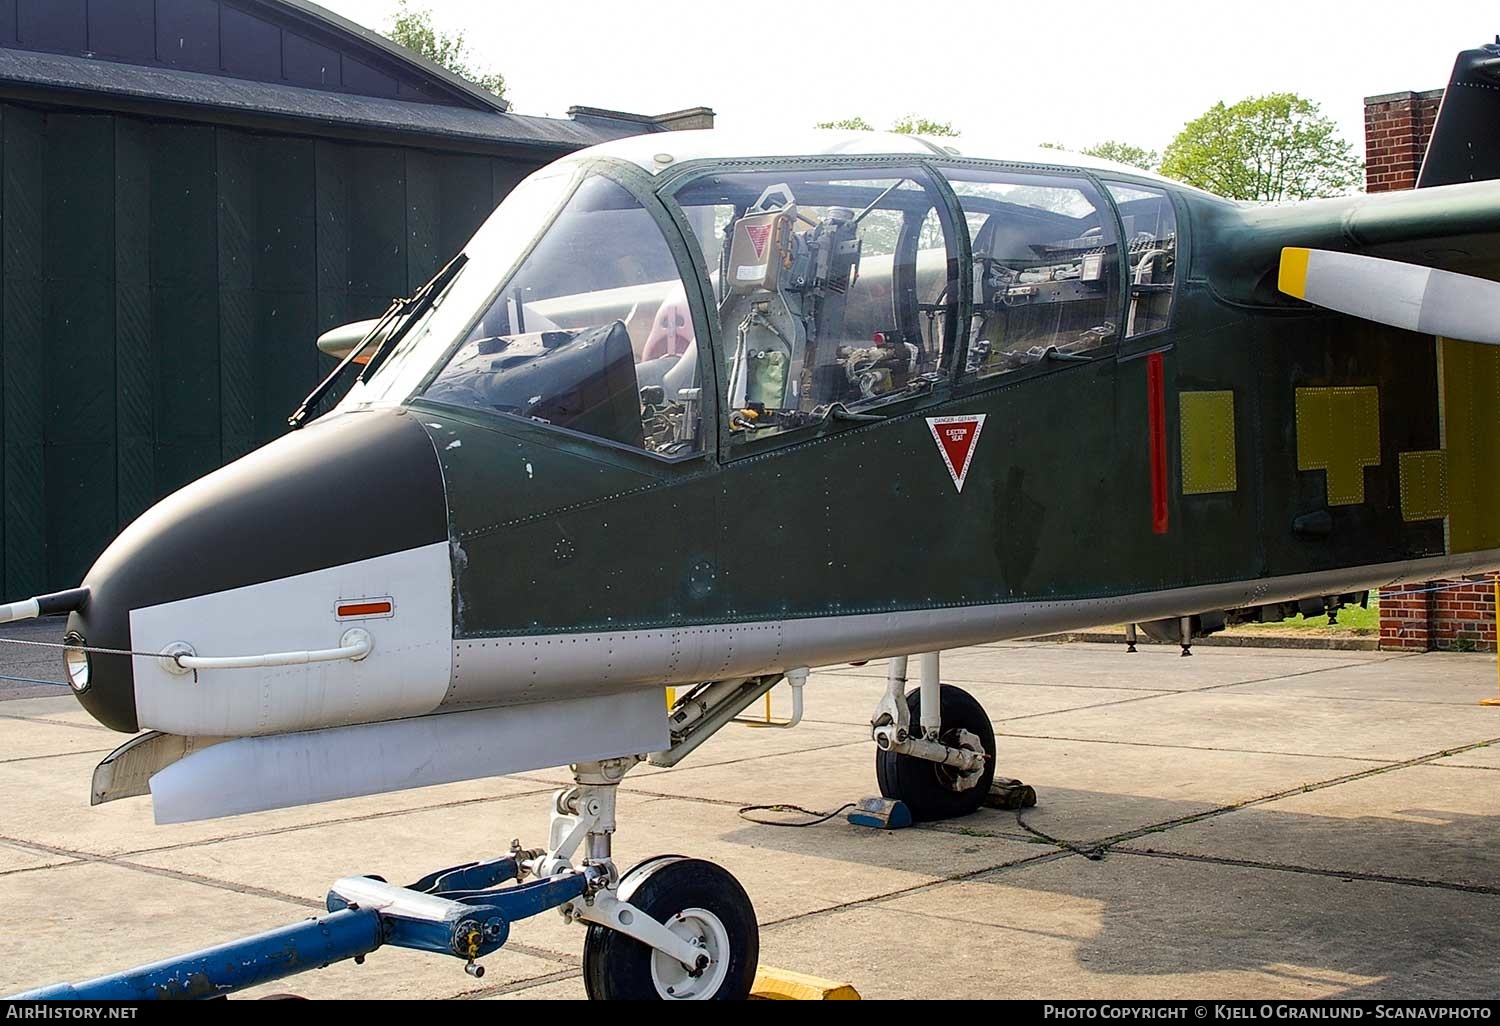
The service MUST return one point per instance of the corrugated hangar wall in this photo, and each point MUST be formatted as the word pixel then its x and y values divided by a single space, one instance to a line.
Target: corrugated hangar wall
pixel 163 287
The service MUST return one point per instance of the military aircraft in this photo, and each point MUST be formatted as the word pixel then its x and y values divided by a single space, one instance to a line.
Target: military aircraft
pixel 706 410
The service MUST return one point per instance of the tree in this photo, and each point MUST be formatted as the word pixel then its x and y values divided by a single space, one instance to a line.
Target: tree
pixel 854 124
pixel 913 125
pixel 1271 148
pixel 1126 153
pixel 1119 152
pixel 413 29
pixel 909 125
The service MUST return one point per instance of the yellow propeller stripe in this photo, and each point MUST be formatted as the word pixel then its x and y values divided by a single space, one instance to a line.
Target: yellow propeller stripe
pixel 1294 271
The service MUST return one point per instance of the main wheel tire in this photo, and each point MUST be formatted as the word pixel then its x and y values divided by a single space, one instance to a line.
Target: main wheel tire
pixel 926 787
pixel 693 899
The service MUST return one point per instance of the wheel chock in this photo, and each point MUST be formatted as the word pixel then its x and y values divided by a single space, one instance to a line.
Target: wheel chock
pixel 784 985
pixel 881 814
pixel 1010 794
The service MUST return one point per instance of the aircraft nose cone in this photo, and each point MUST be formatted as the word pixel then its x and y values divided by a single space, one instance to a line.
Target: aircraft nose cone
pixel 346 488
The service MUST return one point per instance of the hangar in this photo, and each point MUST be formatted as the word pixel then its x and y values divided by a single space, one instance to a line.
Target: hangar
pixel 192 191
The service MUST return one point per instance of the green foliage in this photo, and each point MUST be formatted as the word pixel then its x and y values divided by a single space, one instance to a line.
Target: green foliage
pixel 854 124
pixel 1271 148
pixel 909 125
pixel 413 29
pixel 913 125
pixel 1125 153
pixel 1119 152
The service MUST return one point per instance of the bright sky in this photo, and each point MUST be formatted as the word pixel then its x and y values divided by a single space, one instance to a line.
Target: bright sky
pixel 1069 71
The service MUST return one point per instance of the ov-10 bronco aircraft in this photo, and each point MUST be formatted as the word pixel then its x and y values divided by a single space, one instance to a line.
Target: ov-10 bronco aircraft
pixel 706 410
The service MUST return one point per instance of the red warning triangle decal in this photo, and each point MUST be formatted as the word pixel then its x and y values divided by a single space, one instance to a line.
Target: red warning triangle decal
pixel 759 235
pixel 957 438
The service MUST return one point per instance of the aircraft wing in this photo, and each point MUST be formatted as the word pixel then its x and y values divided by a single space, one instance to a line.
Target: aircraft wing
pixel 1450 223
pixel 1453 228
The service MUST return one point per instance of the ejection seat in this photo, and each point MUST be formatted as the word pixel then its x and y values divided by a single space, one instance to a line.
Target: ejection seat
pixel 671 350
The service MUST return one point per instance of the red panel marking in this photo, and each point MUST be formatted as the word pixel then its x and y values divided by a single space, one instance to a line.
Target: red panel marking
pixel 1157 412
pixel 957 438
pixel 364 609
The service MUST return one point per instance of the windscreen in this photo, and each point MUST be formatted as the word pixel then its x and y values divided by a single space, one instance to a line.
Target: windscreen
pixel 495 249
pixel 591 332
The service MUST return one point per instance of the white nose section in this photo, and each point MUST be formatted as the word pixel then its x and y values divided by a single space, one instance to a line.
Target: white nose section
pixel 244 681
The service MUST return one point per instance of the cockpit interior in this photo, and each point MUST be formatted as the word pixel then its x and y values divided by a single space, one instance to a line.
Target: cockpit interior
pixel 835 292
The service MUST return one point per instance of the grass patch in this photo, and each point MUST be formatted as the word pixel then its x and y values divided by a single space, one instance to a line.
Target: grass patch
pixel 1352 621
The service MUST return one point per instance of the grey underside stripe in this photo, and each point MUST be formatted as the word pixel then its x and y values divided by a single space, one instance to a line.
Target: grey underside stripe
pixel 517 670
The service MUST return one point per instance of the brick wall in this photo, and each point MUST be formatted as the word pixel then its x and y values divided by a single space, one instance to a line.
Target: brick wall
pixel 1405 621
pixel 1460 617
pixel 1398 127
pixel 1464 619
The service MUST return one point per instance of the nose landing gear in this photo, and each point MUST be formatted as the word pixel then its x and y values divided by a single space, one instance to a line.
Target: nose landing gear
pixel 670 929
pixel 698 902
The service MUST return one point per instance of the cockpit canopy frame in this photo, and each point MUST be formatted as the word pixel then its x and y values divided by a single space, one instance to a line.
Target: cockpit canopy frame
pixel 847 235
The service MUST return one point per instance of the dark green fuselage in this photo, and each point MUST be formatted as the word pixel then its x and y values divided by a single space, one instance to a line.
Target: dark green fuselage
pixel 557 534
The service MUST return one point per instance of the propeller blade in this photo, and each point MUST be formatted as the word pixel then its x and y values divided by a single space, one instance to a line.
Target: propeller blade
pixel 1420 299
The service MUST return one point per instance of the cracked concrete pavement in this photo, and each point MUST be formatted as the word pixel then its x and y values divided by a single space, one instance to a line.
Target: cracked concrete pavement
pixel 1246 823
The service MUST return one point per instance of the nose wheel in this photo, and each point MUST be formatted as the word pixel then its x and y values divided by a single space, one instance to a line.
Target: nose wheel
pixel 700 903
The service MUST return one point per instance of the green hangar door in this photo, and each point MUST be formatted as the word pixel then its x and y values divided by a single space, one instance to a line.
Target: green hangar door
pixel 191 191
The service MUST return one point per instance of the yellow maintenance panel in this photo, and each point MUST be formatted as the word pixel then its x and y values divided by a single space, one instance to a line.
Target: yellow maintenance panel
pixel 1424 486
pixel 1471 427
pixel 1208 449
pixel 1338 430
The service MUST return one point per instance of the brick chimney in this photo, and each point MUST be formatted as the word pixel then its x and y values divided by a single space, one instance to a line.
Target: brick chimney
pixel 676 121
pixel 1398 127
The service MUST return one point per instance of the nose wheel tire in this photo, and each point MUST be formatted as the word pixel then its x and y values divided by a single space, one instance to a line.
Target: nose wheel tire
pixel 933 792
pixel 699 902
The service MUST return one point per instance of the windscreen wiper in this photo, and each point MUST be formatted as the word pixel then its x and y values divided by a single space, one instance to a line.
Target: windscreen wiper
pixel 407 311
pixel 416 306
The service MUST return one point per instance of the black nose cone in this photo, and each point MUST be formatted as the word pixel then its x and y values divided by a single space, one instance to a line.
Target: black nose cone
pixel 346 488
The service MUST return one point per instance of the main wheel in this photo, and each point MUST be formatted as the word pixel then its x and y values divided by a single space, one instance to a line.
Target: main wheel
pixel 696 900
pixel 933 792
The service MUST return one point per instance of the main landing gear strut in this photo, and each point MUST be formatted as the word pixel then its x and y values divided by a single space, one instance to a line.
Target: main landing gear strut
pixel 936 746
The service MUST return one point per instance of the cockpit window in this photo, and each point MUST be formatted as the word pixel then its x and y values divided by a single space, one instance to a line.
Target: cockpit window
pixel 592 332
pixel 1151 245
pixel 1046 269
pixel 834 288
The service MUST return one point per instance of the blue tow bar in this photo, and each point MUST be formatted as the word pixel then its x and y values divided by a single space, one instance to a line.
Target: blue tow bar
pixel 462 911
pixel 268 956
